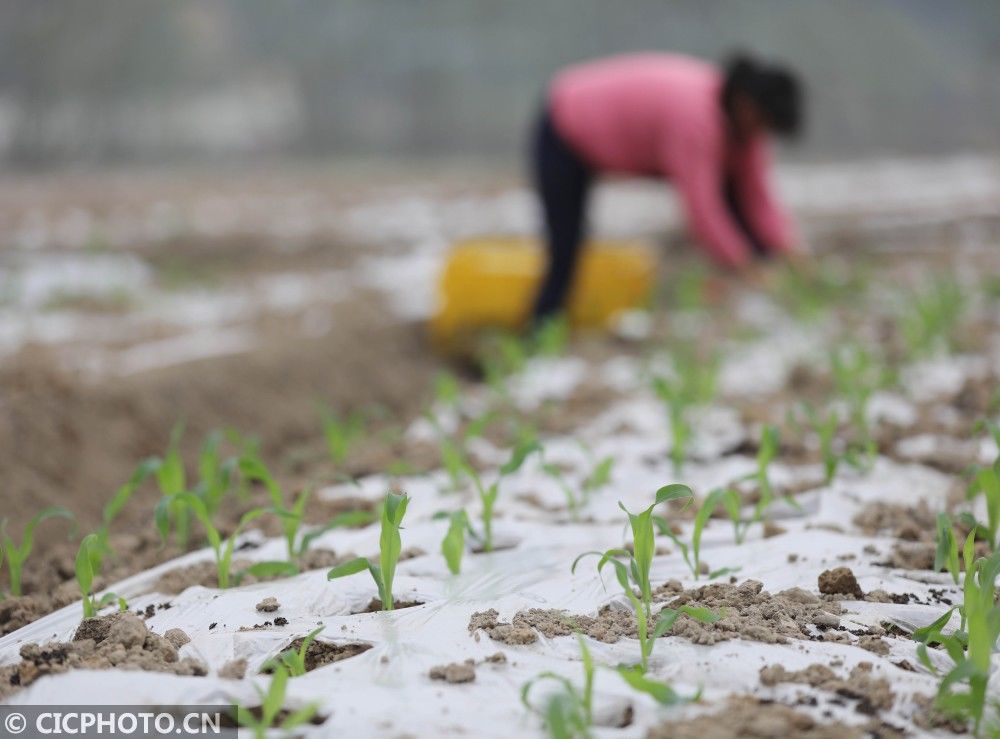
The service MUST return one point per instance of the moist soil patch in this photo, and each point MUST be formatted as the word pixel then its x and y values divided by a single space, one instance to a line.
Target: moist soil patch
pixel 456 672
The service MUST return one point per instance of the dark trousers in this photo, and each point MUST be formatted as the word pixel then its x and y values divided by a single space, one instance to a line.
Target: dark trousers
pixel 563 181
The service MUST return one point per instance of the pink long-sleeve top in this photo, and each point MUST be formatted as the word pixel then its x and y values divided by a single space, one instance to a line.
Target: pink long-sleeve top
pixel 661 114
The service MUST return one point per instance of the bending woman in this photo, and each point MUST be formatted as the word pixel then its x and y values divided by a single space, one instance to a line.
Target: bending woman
pixel 665 115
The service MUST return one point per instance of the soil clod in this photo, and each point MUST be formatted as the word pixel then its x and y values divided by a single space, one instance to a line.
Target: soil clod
pixel 177 637
pixel 234 669
pixel 840 581
pixel 456 672
pixel 270 604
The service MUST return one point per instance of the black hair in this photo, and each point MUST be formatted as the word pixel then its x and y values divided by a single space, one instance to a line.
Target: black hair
pixel 773 87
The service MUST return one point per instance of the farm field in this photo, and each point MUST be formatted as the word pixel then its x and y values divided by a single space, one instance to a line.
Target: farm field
pixel 758 510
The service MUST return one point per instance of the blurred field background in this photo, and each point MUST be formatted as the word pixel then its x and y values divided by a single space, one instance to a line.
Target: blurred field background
pixel 137 80
pixel 232 212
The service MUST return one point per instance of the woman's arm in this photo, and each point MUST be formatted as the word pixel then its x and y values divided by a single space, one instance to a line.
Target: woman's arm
pixel 760 209
pixel 698 177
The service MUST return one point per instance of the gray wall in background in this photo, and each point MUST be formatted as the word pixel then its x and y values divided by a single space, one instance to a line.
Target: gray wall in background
pixel 105 80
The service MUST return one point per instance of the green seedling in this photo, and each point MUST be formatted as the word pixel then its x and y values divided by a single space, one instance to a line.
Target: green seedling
pixel 569 711
pixel 632 570
pixel 17 554
pixel 693 384
pixel 504 354
pixel 447 390
pixel 453 461
pixel 348 519
pixel 341 433
pixel 730 501
pixel 215 474
pixel 600 473
pixel 971 647
pixel 215 479
pixel 811 293
pixel 856 377
pixel 454 450
pixel 172 481
pixel 986 482
pixel 488 495
pixel 661 692
pixel 825 428
pixel 293 660
pixel 253 469
pixel 390 546
pixel 563 719
pixel 453 544
pixel 689 291
pixel 767 451
pixel 551 337
pixel 573 501
pixel 732 504
pixel 272 703
pixel 677 415
pixel 946 553
pixel 221 548
pixel 930 316
pixel 598 477
pixel 88 566
pixel 697 373
pixel 117 504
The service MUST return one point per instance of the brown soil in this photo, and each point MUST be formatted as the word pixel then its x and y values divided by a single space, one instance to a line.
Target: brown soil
pixel 21 611
pixel 746 717
pixel 908 555
pixel 270 604
pixel 749 612
pixel 874 644
pixel 456 672
pixel 205 574
pixel 65 441
pixel 318 511
pixel 911 523
pixel 177 637
pixel 234 669
pixel 119 641
pixel 321 653
pixel 609 626
pixel 933 719
pixel 54 586
pixel 873 694
pixel 840 581
pixel 322 559
pixel 375 605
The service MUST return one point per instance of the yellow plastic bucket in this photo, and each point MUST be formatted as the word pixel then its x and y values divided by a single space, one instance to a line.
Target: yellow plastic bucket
pixel 492 283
